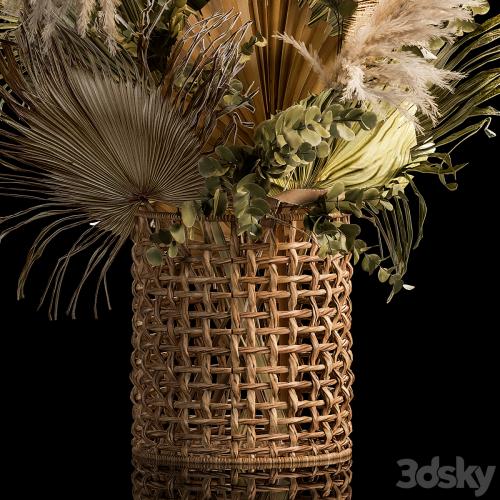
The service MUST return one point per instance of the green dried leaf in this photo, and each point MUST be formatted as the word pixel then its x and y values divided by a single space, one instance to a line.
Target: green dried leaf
pixel 311 137
pixel 154 256
pixel 293 138
pixel 173 250
pixel 323 150
pixel 253 230
pixel 370 262
pixel 351 230
pixel 210 167
pixel 220 202
pixel 369 120
pixel 397 285
pixel 232 100
pixel 188 212
pixel 335 191
pixel 178 233
pixel 326 227
pixel 347 8
pixel 255 190
pixel 236 86
pixel 387 205
pixel 255 212
pixel 353 114
pixel 212 184
pixel 240 204
pixel 383 275
pixel 261 204
pixel 371 194
pixel 224 153
pixel 359 249
pixel 483 8
pixel 248 179
pixel 342 131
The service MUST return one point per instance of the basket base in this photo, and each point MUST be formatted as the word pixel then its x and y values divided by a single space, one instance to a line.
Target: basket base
pixel 267 463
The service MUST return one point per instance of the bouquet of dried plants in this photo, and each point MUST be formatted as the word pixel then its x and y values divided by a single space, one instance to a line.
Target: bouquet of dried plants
pixel 110 107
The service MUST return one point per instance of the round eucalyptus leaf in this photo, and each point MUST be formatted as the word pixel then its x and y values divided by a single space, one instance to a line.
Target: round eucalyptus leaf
pixel 383 275
pixel 322 150
pixel 261 204
pixel 310 136
pixel 369 120
pixel 342 131
pixel 335 191
pixel 173 250
pixel 210 167
pixel 255 190
pixel 224 153
pixel 154 256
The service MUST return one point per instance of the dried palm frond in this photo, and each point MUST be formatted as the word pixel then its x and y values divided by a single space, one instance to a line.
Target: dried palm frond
pixel 463 110
pixel 277 69
pixel 337 13
pixel 92 141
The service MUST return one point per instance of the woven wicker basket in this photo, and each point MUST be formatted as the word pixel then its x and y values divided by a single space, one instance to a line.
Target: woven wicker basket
pixel 159 482
pixel 242 350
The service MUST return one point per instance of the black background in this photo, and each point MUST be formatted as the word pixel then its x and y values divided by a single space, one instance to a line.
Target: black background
pixel 426 365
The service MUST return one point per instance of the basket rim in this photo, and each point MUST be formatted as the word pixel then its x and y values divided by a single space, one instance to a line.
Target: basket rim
pixel 285 213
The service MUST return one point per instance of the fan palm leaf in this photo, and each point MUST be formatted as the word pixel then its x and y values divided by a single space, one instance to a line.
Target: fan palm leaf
pixel 92 141
pixel 278 69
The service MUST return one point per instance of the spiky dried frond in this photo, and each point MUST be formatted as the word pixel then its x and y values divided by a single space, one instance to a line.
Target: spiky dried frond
pixel 93 141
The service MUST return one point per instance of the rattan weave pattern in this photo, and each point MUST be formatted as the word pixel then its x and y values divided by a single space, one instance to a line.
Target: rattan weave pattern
pixel 153 482
pixel 242 350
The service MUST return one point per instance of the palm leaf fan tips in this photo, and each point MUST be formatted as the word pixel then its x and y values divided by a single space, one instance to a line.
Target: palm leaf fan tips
pixel 92 142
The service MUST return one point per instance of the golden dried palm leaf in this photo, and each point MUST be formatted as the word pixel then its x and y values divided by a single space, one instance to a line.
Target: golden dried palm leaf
pixel 91 141
pixel 279 70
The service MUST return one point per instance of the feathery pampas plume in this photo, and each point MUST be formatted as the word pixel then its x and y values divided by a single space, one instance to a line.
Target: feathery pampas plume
pixel 310 55
pixel 10 7
pixel 93 141
pixel 373 64
pixel 45 14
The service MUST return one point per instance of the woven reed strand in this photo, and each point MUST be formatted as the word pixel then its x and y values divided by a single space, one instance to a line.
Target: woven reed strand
pixel 242 351
pixel 158 483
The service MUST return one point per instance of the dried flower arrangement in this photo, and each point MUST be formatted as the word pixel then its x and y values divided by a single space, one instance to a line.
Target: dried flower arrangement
pixel 212 119
pixel 393 83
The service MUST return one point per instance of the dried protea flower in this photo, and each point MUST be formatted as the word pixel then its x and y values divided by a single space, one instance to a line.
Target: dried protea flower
pixel 93 141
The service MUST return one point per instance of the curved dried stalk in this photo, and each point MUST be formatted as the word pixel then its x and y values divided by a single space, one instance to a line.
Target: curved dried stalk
pixel 93 142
